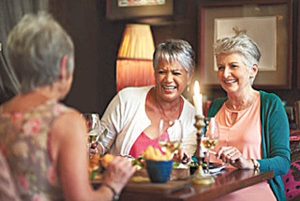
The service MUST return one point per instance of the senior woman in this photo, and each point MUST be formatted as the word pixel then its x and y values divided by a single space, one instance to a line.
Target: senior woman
pixel 46 156
pixel 254 129
pixel 141 116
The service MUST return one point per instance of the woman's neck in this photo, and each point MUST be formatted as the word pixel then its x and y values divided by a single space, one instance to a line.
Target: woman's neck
pixel 241 101
pixel 168 111
pixel 28 101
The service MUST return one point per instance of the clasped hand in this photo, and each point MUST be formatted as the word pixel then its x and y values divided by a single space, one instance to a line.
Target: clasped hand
pixel 231 155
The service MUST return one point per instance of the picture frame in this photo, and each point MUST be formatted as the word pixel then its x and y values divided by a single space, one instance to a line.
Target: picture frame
pixel 257 18
pixel 116 10
pixel 298 46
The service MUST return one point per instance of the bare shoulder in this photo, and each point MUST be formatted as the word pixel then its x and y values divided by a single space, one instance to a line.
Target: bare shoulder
pixel 68 126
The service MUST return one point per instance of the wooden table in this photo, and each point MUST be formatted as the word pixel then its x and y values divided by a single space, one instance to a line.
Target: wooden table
pixel 227 182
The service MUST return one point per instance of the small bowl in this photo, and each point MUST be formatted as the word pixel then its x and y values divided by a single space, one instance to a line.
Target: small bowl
pixel 159 171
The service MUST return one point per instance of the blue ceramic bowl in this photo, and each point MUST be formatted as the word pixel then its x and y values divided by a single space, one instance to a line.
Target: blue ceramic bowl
pixel 159 171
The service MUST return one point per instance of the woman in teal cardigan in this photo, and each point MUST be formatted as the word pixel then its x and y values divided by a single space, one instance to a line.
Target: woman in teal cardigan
pixel 254 129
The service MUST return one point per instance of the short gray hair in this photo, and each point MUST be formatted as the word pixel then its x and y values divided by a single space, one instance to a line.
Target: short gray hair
pixel 241 44
pixel 174 50
pixel 36 47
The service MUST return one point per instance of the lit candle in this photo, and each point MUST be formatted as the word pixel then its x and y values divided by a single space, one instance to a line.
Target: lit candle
pixel 197 99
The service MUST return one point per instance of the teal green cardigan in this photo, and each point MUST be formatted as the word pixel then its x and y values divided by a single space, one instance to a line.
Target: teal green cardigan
pixel 275 139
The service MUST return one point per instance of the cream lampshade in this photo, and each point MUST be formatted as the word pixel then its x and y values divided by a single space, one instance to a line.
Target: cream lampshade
pixel 134 64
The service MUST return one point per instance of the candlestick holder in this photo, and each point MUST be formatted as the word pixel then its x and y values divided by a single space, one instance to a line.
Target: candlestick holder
pixel 201 124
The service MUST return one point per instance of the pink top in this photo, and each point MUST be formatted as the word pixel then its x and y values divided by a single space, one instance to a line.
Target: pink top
pixel 143 141
pixel 244 134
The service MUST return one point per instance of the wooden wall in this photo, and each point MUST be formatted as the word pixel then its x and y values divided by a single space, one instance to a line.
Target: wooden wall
pixel 97 40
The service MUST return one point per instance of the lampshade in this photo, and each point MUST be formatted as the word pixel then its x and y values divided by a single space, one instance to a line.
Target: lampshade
pixel 134 64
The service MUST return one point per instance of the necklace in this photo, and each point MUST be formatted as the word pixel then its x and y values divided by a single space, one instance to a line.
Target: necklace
pixel 241 105
pixel 162 112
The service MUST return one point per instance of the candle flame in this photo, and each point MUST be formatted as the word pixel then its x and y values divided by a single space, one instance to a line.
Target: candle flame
pixel 196 87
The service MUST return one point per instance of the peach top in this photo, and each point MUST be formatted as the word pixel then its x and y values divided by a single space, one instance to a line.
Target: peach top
pixel 244 134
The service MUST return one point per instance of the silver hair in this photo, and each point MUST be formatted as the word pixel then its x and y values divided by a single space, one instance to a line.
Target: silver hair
pixel 241 44
pixel 174 50
pixel 36 47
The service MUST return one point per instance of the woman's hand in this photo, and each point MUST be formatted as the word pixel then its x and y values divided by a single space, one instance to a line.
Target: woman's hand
pixel 234 157
pixel 181 157
pixel 118 173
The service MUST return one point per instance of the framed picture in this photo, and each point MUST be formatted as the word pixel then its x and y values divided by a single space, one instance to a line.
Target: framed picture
pixel 130 9
pixel 298 47
pixel 267 22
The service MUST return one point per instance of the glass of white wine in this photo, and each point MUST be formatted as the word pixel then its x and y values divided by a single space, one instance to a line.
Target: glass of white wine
pixel 173 143
pixel 93 125
pixel 211 139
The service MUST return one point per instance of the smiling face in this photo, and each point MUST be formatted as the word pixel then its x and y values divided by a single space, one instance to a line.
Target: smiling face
pixel 171 80
pixel 234 76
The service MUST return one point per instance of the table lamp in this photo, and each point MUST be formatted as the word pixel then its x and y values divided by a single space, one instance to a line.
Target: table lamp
pixel 134 63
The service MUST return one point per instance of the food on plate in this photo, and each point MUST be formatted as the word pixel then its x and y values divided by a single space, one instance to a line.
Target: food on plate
pixel 94 162
pixel 140 179
pixel 94 166
pixel 152 153
pixel 106 160
pixel 139 163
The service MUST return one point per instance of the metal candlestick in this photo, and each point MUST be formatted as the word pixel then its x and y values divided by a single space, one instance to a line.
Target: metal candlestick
pixel 201 126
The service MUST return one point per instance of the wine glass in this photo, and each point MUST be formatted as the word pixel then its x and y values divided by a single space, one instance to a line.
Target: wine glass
pixel 211 139
pixel 93 126
pixel 173 143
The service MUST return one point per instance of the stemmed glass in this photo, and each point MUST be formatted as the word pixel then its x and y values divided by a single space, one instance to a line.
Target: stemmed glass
pixel 93 125
pixel 211 139
pixel 175 131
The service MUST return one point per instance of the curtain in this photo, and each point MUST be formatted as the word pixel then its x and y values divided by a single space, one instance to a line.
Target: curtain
pixel 11 11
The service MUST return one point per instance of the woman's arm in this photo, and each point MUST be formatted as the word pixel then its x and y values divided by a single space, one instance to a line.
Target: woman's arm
pixel 70 151
pixel 112 121
pixel 277 142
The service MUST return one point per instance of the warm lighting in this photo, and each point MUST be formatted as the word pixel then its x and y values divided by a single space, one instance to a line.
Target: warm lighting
pixel 134 64
pixel 197 99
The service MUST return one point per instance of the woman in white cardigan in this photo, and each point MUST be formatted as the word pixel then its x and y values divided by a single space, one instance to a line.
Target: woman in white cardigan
pixel 139 116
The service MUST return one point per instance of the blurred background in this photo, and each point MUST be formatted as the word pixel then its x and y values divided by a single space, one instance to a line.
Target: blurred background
pixel 98 36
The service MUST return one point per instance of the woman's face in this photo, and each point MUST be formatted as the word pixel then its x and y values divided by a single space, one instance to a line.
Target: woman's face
pixel 233 74
pixel 171 80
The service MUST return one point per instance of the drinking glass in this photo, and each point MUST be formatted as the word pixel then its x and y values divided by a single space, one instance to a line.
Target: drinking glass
pixel 211 139
pixel 173 143
pixel 93 126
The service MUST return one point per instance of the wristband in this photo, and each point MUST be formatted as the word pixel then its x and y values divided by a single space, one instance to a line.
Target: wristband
pixel 115 194
pixel 255 164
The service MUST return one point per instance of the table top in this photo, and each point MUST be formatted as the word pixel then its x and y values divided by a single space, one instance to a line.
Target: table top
pixel 230 180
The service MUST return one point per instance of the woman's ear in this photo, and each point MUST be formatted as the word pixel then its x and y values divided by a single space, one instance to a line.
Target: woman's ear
pixel 190 78
pixel 64 68
pixel 253 71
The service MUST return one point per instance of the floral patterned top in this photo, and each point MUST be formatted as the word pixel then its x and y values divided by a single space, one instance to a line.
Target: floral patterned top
pixel 25 145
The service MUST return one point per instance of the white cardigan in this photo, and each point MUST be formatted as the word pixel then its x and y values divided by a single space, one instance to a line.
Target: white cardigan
pixel 125 119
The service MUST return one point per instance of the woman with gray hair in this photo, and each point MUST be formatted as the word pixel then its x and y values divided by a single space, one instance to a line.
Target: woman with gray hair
pixel 254 129
pixel 138 117
pixel 42 140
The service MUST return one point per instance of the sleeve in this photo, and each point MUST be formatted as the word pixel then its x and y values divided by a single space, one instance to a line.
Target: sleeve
pixel 189 133
pixel 112 122
pixel 189 140
pixel 277 142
